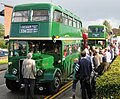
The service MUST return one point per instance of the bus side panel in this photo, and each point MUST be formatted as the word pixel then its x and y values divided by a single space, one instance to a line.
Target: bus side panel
pixel 68 64
pixel 59 29
pixel 55 29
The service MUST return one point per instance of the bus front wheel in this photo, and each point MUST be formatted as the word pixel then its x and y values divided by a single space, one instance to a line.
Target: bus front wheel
pixel 55 84
pixel 12 85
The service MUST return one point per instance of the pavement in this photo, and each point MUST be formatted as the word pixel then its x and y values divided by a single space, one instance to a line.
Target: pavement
pixel 3 67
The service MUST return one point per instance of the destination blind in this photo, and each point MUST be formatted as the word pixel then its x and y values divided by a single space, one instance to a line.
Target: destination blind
pixel 27 28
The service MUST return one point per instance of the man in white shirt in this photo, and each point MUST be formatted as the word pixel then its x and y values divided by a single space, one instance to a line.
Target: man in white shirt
pixel 108 55
pixel 29 74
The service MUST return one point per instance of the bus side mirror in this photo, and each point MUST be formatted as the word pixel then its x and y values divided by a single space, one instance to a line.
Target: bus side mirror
pixel 53 38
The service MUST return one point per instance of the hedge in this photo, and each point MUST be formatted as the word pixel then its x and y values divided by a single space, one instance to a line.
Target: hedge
pixel 108 85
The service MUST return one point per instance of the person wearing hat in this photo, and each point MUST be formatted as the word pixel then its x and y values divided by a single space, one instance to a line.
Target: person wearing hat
pixel 29 74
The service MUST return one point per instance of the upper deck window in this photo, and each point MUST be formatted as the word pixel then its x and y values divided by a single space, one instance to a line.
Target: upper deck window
pixel 78 24
pixel 57 16
pixel 70 21
pixel 40 15
pixel 74 23
pixel 65 19
pixel 96 29
pixel 20 16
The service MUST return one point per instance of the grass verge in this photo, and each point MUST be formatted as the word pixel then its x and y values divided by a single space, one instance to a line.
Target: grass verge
pixel 3 61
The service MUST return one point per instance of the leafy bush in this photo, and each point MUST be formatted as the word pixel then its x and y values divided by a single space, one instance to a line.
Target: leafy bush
pixel 2 44
pixel 108 85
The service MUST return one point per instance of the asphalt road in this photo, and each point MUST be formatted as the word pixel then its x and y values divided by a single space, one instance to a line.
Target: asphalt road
pixel 2 80
pixel 68 93
pixel 5 93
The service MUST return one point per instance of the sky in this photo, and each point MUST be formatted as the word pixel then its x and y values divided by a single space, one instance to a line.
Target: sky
pixel 90 11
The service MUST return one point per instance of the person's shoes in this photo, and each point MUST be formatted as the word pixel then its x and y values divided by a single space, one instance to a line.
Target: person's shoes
pixel 33 97
pixel 73 96
pixel 26 98
pixel 94 93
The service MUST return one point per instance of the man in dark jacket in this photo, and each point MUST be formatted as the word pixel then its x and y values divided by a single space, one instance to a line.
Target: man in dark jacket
pixel 85 69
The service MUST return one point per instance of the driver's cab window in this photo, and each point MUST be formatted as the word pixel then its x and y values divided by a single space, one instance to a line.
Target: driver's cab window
pixel 50 48
pixel 57 49
pixel 57 16
pixel 34 47
pixel 18 48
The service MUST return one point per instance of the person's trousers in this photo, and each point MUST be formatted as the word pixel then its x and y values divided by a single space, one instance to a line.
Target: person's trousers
pixel 85 88
pixel 29 83
pixel 74 85
pixel 93 85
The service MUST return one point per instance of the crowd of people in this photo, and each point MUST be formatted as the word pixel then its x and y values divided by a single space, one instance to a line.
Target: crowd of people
pixel 94 61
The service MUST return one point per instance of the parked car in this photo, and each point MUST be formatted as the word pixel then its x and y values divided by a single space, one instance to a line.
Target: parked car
pixel 3 53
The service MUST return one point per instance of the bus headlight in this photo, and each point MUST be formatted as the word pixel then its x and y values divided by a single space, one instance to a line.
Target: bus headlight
pixel 14 71
pixel 9 63
pixel 59 61
pixel 39 72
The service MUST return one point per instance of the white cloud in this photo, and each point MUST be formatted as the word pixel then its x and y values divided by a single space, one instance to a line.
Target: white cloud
pixel 114 23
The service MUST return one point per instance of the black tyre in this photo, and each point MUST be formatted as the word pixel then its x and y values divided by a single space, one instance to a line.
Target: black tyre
pixel 55 85
pixel 12 85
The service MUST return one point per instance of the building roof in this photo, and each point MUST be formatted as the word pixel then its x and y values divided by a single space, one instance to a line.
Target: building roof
pixel 2 13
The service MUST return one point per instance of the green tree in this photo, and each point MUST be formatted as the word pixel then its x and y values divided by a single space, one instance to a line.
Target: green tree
pixel 108 25
pixel 2 44
pixel 2 30
pixel 2 41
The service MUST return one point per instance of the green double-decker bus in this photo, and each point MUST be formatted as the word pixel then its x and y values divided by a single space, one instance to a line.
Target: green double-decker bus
pixel 54 36
pixel 98 36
